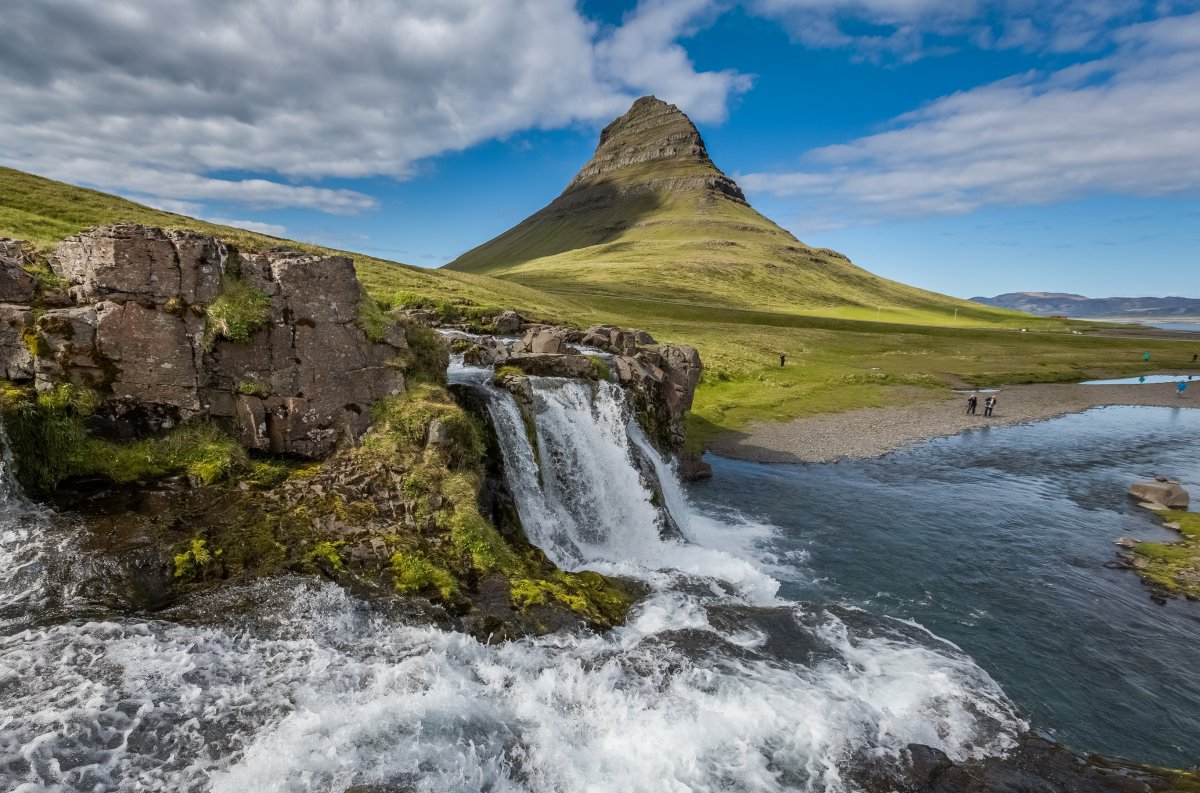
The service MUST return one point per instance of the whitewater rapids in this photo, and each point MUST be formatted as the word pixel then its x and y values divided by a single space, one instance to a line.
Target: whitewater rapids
pixel 715 683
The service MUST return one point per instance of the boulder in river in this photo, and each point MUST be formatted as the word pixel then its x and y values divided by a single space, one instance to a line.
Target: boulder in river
pixel 1169 493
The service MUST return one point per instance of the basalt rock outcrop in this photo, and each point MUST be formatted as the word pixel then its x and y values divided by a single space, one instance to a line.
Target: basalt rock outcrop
pixel 660 379
pixel 652 132
pixel 170 326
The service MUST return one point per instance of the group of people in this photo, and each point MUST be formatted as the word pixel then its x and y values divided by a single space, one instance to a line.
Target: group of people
pixel 989 404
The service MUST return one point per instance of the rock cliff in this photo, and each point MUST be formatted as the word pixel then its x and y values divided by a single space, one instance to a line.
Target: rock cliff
pixel 660 137
pixel 169 326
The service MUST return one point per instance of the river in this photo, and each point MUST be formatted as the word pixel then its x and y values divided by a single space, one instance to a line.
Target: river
pixel 774 648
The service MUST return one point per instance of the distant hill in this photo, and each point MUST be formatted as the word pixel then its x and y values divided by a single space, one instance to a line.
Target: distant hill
pixel 1066 304
pixel 651 216
pixel 43 212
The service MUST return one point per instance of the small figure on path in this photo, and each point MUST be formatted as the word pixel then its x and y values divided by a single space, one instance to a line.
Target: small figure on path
pixel 989 405
pixel 782 360
pixel 972 403
pixel 1179 389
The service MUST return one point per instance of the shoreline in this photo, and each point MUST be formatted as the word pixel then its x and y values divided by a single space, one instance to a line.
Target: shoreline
pixel 872 432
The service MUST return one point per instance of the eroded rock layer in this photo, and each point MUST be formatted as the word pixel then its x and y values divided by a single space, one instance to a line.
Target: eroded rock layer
pixel 173 325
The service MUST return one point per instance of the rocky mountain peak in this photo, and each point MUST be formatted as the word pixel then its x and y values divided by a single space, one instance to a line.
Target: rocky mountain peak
pixel 653 131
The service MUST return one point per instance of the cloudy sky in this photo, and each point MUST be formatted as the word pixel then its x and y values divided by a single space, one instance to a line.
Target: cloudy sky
pixel 968 146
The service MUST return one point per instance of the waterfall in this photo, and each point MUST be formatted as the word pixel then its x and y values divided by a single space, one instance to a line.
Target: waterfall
pixel 584 500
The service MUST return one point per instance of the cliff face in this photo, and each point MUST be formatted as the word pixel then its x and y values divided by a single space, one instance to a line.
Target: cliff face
pixel 653 146
pixel 173 325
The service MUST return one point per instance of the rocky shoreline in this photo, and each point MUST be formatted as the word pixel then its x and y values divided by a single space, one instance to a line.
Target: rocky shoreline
pixel 871 432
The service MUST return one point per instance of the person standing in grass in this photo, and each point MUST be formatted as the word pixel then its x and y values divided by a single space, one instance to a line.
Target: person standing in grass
pixel 972 403
pixel 782 359
pixel 989 405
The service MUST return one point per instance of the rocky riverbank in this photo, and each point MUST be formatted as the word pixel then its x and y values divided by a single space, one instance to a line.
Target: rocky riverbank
pixel 870 432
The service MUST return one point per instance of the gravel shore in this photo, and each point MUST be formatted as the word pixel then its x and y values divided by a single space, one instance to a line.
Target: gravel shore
pixel 870 432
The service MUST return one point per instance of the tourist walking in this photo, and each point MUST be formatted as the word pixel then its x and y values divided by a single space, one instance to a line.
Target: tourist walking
pixel 972 403
pixel 782 360
pixel 1180 389
pixel 989 405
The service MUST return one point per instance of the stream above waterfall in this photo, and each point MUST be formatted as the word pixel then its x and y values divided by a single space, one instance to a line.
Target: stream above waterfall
pixel 741 669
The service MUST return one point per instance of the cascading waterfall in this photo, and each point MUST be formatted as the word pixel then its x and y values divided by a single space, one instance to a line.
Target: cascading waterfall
pixel 291 685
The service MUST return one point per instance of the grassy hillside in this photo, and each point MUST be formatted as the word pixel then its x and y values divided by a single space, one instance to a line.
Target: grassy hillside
pixel 44 212
pixel 833 363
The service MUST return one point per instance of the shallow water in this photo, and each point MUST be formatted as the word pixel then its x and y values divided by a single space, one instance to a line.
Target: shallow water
pixel 1147 379
pixel 997 540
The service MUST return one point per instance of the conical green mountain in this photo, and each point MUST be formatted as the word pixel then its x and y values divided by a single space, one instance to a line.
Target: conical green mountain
pixel 650 216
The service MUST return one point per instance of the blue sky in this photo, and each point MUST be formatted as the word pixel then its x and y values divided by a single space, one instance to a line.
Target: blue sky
pixel 968 146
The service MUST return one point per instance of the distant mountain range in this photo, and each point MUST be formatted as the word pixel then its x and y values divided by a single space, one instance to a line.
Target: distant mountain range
pixel 1055 303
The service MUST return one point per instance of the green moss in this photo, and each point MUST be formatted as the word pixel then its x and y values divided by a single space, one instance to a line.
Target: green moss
pixel 253 388
pixel 372 318
pixel 266 474
pixel 600 367
pixel 428 355
pixel 507 370
pixel 327 553
pixel 196 561
pixel 202 451
pixel 472 535
pixel 46 431
pixel 589 595
pixel 36 344
pixel 237 313
pixel 402 423
pixel 49 439
pixel 1173 567
pixel 414 574
pixel 47 280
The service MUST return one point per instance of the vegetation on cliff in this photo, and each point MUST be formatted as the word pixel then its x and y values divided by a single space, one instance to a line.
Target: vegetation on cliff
pixel 50 440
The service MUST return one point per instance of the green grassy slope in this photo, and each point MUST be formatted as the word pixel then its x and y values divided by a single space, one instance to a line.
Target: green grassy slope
pixel 44 212
pixel 652 217
pixel 833 363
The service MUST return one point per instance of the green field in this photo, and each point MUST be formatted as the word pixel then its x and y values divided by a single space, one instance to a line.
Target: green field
pixel 839 358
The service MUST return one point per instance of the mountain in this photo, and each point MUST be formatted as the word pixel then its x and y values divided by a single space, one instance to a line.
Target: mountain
pixel 1070 305
pixel 651 216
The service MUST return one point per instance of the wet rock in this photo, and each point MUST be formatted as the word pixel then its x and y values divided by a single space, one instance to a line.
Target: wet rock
pixel 551 365
pixel 1035 765
pixel 16 285
pixel 693 469
pixel 508 322
pixel 421 316
pixel 16 356
pixel 486 352
pixel 1125 542
pixel 1168 493
pixel 552 341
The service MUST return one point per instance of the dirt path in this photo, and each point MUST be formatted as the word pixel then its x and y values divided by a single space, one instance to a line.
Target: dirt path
pixel 869 432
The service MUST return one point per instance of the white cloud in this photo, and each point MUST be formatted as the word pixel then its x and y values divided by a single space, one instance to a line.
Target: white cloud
pixel 1127 124
pixel 167 99
pixel 910 29
pixel 273 229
